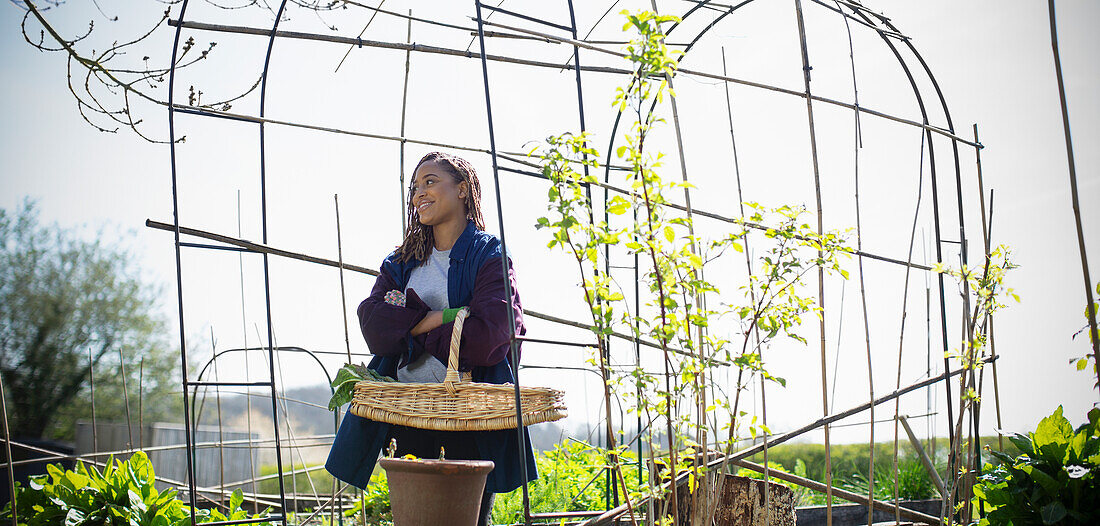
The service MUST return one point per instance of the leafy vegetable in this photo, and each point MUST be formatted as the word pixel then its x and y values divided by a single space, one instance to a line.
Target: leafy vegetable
pixel 1054 481
pixel 123 494
pixel 347 377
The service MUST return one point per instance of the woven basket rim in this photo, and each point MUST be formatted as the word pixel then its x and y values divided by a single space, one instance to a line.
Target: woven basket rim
pixel 380 401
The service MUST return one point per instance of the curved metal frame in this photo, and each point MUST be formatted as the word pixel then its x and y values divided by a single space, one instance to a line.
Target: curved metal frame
pixel 188 424
pixel 572 28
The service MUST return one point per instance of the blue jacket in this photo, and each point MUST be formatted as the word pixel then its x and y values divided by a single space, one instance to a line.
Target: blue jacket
pixel 475 279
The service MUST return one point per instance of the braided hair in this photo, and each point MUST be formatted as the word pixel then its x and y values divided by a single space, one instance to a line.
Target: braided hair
pixel 419 239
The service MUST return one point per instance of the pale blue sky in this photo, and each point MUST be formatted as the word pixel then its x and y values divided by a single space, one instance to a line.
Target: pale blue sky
pixel 993 61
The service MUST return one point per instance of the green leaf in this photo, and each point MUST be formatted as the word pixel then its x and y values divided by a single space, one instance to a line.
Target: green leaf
pixel 618 205
pixel 136 502
pixel 1053 512
pixel 1047 482
pixel 74 517
pixel 236 499
pixel 670 235
pixel 1022 442
pixel 1051 438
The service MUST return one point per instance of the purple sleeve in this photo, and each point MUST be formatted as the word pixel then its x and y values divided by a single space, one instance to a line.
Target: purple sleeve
pixel 386 326
pixel 485 334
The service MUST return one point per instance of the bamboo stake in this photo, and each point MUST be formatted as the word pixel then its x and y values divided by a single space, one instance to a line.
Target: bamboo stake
pixel 986 232
pixel 936 129
pixel 141 400
pixel 348 52
pixel 340 261
pixel 265 249
pixel 218 405
pixel 928 465
pixel 1094 336
pixel 904 315
pixel 420 48
pixel 247 375
pixel 401 146
pixel 251 246
pixel 125 396
pixel 820 270
pixel 748 267
pixel 863 291
pixel 343 297
pixel 91 383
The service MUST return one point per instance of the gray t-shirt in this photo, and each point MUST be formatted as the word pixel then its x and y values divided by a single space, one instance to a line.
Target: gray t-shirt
pixel 430 283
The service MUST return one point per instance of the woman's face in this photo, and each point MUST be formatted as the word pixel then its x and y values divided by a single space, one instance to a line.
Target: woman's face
pixel 436 196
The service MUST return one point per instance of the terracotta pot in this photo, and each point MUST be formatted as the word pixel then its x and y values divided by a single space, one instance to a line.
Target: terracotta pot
pixel 435 492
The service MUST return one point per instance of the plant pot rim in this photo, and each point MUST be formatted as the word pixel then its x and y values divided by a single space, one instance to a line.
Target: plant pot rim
pixel 442 467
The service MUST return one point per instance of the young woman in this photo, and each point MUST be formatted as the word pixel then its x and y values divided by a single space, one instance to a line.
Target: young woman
pixel 446 262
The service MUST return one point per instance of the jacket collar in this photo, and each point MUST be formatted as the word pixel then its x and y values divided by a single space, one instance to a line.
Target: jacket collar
pixel 461 248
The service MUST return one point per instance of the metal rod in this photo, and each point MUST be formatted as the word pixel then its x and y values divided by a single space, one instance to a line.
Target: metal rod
pixel 213 247
pixel 7 449
pixel 525 17
pixel 179 267
pixel 505 264
pixel 847 17
pixel 229 384
pixel 89 459
pixel 51 456
pixel 267 268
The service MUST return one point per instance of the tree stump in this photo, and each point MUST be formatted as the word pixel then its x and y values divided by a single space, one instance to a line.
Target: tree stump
pixel 739 501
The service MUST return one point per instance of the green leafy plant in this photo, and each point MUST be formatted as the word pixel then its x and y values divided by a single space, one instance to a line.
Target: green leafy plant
pixel 913 482
pixel 373 506
pixel 678 402
pixel 123 494
pixel 982 289
pixel 1082 362
pixel 1054 481
pixel 572 477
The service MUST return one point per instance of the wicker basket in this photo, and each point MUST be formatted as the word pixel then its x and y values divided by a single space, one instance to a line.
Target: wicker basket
pixel 456 404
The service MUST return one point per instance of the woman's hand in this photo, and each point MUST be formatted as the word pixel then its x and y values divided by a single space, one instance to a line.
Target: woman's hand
pixel 431 320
